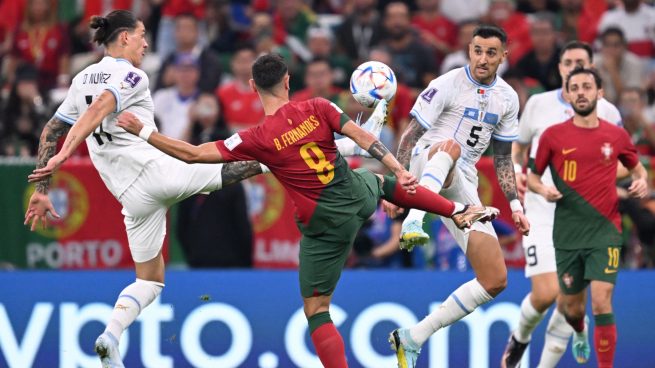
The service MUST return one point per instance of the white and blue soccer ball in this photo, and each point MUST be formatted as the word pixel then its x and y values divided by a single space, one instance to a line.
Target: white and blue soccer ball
pixel 371 82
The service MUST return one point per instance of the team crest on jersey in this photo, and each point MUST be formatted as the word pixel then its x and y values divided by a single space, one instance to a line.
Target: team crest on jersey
pixel 132 79
pixel 606 150
pixel 429 94
pixel 567 279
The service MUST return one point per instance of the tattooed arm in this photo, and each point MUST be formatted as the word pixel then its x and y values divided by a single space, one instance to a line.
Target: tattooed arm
pixel 52 131
pixel 39 205
pixel 408 140
pixel 233 172
pixel 507 181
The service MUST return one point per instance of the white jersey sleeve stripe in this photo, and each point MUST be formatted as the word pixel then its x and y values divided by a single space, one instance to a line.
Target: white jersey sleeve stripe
pixel 64 118
pixel 117 95
pixel 420 119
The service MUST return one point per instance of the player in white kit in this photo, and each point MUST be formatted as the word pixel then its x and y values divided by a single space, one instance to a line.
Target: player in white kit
pixel 542 111
pixel 454 121
pixel 144 180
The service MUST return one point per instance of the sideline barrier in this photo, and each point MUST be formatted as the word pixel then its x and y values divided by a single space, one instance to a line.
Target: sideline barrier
pixel 254 319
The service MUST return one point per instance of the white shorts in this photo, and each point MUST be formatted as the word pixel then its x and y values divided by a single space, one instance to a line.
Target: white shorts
pixel 538 246
pixel 162 183
pixel 462 190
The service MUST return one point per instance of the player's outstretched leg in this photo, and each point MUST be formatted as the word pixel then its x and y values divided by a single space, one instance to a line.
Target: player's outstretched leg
pixel 327 341
pixel 134 298
pixel 580 346
pixel 374 124
pixel 519 339
pixel 558 334
pixel 425 200
pixel 442 157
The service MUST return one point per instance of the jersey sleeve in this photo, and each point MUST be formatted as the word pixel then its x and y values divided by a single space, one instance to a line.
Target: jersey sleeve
pixel 239 147
pixel 544 153
pixel 333 115
pixel 67 111
pixel 628 154
pixel 431 102
pixel 507 128
pixel 526 131
pixel 126 85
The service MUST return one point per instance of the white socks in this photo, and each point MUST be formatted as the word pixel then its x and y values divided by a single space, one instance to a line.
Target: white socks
pixel 558 334
pixel 459 304
pixel 434 175
pixel 134 298
pixel 529 320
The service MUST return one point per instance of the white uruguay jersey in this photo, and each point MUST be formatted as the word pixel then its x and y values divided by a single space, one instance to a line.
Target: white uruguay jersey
pixel 542 111
pixel 118 155
pixel 456 106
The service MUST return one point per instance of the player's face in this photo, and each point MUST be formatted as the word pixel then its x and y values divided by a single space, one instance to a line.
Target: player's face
pixel 486 54
pixel 136 44
pixel 583 93
pixel 570 60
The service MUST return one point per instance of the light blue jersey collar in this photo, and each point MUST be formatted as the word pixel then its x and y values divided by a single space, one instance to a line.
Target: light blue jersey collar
pixel 470 77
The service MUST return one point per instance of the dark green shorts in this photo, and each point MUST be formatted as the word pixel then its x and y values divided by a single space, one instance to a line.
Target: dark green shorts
pixel 323 256
pixel 576 268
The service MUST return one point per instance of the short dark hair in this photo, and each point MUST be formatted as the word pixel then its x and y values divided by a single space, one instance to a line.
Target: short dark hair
pixel 109 27
pixel 488 31
pixel 574 45
pixel 616 31
pixel 268 70
pixel 580 70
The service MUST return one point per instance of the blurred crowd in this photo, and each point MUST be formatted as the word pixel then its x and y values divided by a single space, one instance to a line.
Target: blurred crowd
pixel 201 52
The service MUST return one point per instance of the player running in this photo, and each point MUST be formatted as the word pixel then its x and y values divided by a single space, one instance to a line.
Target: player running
pixel 454 121
pixel 583 154
pixel 296 141
pixel 144 180
pixel 542 111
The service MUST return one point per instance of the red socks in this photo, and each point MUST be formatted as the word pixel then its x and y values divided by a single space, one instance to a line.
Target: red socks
pixel 329 346
pixel 424 199
pixel 605 342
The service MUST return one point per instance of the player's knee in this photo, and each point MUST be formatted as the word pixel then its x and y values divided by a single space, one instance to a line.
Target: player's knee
pixel 496 284
pixel 543 298
pixel 574 312
pixel 450 146
pixel 601 305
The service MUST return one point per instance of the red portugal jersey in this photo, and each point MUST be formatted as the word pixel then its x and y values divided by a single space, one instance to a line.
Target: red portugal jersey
pixel 297 144
pixel 583 162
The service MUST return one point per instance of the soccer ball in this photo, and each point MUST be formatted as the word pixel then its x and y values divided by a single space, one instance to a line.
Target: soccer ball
pixel 371 82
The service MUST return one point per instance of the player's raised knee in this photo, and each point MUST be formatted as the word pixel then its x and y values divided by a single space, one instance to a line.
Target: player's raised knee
pixel 450 146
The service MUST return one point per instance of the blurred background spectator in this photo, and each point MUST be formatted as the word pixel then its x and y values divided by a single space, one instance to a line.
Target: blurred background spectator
pixel 541 63
pixel 618 66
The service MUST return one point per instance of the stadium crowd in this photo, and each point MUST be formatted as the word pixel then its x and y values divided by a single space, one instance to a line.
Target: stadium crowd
pixel 199 66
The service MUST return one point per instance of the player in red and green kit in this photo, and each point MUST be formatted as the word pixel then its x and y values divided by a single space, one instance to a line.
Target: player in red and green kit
pixel 296 142
pixel 583 155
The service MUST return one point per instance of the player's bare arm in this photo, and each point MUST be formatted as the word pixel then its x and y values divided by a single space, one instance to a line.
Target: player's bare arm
pixel 639 186
pixel 377 150
pixel 52 132
pixel 233 172
pixel 83 127
pixel 536 185
pixel 183 151
pixel 519 155
pixel 40 205
pixel 408 140
pixel 507 181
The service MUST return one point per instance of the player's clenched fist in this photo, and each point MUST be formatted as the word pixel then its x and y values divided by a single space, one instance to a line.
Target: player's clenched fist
pixel 129 122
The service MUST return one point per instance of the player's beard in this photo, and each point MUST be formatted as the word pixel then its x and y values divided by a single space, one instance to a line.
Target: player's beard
pixel 586 111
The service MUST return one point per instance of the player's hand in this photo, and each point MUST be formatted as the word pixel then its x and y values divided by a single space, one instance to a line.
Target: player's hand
pixel 638 188
pixel 129 122
pixel 521 185
pixel 38 209
pixel 407 181
pixel 551 193
pixel 521 222
pixel 391 209
pixel 53 165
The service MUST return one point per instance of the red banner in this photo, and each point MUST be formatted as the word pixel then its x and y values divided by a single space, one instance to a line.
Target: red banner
pixel 90 233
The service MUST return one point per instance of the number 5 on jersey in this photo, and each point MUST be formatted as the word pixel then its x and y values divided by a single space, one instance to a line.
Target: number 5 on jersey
pixel 324 169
